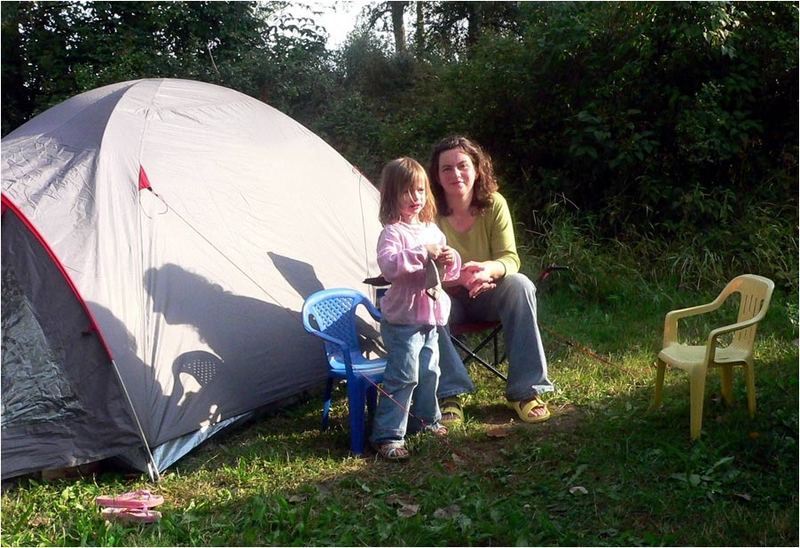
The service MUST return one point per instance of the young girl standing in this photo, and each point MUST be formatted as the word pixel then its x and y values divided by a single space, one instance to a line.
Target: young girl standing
pixel 412 255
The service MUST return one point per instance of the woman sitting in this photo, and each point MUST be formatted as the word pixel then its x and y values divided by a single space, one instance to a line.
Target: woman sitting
pixel 477 223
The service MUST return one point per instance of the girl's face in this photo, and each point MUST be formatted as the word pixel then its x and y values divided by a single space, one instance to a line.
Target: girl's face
pixel 456 174
pixel 411 202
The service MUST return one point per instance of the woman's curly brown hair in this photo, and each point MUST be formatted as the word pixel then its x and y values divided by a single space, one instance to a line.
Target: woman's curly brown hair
pixel 485 182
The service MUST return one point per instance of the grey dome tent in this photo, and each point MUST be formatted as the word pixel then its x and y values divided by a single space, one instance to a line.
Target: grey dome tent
pixel 158 239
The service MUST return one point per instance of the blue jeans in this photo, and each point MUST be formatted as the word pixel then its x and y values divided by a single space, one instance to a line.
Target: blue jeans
pixel 513 302
pixel 412 369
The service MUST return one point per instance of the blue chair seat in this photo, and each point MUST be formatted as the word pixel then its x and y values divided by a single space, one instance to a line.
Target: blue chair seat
pixel 362 366
pixel 331 315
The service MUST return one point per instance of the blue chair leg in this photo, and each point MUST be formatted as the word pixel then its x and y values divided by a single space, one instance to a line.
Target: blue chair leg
pixel 372 404
pixel 326 404
pixel 356 392
pixel 372 399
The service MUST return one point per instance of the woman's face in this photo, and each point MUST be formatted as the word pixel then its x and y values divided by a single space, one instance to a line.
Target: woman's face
pixel 456 174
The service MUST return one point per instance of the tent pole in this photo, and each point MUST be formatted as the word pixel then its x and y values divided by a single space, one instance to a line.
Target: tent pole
pixel 152 469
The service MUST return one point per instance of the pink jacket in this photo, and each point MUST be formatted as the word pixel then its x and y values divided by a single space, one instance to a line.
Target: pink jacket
pixel 402 258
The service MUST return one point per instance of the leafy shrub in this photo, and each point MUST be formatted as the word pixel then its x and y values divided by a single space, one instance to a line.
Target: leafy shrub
pixel 602 270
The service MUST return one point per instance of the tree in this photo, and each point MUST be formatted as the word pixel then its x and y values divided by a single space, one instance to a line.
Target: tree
pixel 396 9
pixel 53 50
pixel 455 27
pixel 17 98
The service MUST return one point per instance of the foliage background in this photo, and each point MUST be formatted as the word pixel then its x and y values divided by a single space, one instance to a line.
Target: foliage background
pixel 652 147
pixel 662 134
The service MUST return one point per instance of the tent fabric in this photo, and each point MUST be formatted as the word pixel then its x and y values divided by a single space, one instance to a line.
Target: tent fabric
pixel 62 404
pixel 193 221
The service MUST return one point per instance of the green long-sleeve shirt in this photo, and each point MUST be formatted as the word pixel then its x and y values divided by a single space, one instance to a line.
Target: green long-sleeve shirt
pixel 491 238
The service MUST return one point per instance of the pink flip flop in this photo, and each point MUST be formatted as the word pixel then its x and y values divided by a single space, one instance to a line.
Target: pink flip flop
pixel 135 515
pixel 141 499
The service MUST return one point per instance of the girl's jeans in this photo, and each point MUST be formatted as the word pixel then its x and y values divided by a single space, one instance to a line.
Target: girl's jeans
pixel 513 302
pixel 412 369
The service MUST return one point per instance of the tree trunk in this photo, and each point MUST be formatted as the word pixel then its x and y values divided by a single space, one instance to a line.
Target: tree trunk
pixel 474 23
pixel 419 40
pixel 398 26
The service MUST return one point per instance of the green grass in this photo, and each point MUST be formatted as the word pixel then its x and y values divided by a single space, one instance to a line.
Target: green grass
pixel 606 470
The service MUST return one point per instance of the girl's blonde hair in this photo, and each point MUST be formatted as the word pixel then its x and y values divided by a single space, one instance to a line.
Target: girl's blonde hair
pixel 397 178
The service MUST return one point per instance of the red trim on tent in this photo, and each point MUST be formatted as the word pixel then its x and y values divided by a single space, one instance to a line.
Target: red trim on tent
pixel 144 182
pixel 8 204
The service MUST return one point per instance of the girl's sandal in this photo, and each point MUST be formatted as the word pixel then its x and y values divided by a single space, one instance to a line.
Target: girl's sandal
pixel 130 515
pixel 524 409
pixel 438 430
pixel 141 498
pixel 392 450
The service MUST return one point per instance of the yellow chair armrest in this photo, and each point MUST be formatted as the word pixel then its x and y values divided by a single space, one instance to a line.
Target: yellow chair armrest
pixel 711 344
pixel 715 333
pixel 672 317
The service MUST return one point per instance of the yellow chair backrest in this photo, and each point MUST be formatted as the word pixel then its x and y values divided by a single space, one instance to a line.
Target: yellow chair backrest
pixel 755 294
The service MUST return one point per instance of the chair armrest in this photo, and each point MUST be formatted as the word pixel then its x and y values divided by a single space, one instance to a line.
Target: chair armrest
pixel 333 340
pixel 374 312
pixel 711 344
pixel 712 337
pixel 672 317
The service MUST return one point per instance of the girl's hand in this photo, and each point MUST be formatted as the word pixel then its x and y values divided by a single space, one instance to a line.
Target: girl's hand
pixel 434 250
pixel 447 256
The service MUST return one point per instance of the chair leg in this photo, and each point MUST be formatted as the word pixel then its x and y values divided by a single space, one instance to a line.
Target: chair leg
pixel 750 379
pixel 472 355
pixel 697 387
pixel 494 345
pixel 372 399
pixel 372 404
pixel 726 380
pixel 356 392
pixel 660 369
pixel 326 403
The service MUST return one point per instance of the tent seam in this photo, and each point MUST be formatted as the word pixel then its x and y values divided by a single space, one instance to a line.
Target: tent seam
pixel 153 467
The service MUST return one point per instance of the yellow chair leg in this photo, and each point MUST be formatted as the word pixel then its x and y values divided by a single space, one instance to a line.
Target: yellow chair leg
pixel 750 380
pixel 660 368
pixel 726 378
pixel 697 386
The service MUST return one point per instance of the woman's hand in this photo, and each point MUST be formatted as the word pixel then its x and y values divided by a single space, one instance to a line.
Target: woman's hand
pixel 476 277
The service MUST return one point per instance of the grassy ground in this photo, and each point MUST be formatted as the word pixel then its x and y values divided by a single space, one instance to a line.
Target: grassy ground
pixel 605 470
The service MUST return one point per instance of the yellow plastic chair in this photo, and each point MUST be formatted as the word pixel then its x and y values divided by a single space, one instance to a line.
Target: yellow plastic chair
pixel 755 294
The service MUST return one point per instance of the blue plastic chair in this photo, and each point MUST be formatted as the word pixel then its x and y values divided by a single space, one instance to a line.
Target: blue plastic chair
pixel 334 313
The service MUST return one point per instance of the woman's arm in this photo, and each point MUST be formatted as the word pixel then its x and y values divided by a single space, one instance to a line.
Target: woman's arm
pixel 503 242
pixel 480 276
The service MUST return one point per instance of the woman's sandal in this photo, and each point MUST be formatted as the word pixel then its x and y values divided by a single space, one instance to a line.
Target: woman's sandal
pixel 392 450
pixel 524 409
pixel 438 430
pixel 452 413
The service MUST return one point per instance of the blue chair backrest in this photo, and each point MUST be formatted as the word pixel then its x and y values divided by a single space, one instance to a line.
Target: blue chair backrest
pixel 334 312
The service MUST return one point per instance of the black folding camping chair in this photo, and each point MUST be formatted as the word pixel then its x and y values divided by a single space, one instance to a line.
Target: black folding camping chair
pixel 461 334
